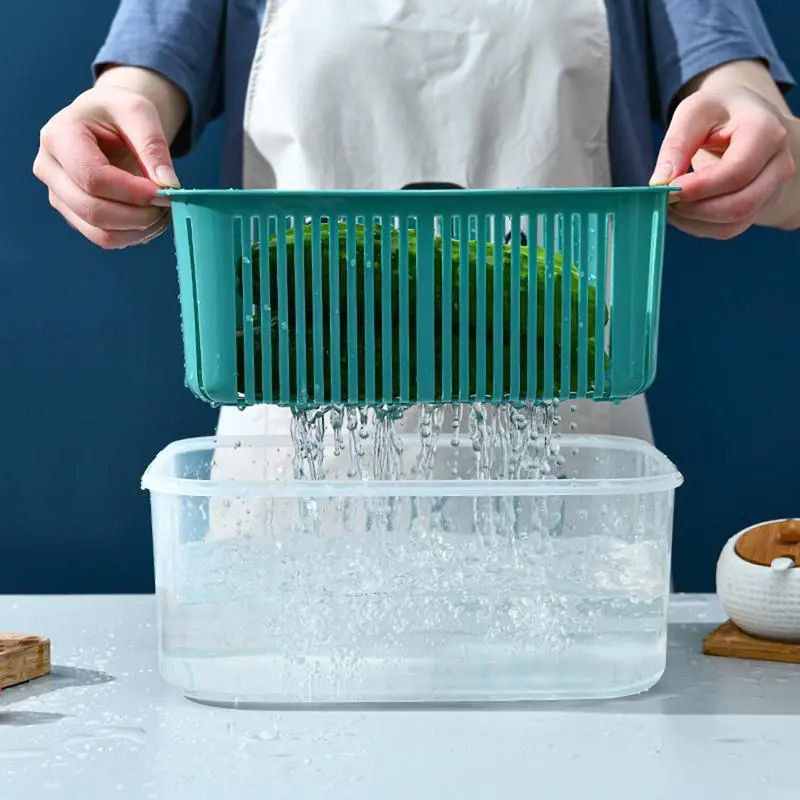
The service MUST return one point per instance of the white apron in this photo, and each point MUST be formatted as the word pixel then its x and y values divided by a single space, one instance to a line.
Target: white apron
pixel 378 94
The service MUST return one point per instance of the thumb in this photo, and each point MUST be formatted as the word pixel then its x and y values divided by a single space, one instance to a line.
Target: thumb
pixel 140 125
pixel 692 123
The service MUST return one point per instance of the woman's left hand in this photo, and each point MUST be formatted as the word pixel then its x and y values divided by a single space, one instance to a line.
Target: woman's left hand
pixel 738 145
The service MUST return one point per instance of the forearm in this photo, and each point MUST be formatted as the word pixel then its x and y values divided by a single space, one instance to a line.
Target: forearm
pixel 754 76
pixel 169 100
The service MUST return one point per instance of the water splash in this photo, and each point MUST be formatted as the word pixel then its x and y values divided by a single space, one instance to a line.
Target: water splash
pixel 387 444
pixel 430 426
pixel 307 430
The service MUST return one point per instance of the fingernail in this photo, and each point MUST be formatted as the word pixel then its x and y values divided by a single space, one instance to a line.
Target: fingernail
pixel 166 177
pixel 161 202
pixel 674 197
pixel 662 174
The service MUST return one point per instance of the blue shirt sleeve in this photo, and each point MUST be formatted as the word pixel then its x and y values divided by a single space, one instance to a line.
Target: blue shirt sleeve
pixel 691 36
pixel 181 39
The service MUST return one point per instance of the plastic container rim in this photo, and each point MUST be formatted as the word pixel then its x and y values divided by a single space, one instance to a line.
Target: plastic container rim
pixel 156 479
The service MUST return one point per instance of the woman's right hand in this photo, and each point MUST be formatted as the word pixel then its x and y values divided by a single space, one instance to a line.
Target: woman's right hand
pixel 103 158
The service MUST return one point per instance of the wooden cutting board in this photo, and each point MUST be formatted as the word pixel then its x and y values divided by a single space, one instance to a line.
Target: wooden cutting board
pixel 730 641
pixel 22 658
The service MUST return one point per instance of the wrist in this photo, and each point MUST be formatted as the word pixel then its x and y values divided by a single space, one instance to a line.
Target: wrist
pixel 169 100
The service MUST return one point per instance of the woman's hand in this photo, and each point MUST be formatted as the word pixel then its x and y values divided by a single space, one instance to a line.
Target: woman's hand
pixel 104 157
pixel 742 148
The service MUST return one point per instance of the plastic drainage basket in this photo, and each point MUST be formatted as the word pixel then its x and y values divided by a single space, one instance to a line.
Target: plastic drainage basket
pixel 310 298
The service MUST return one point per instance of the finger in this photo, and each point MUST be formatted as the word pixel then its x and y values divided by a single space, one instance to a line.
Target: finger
pixel 752 147
pixel 139 124
pixel 109 240
pixel 96 211
pixel 692 123
pixel 707 230
pixel 704 158
pixel 73 145
pixel 738 206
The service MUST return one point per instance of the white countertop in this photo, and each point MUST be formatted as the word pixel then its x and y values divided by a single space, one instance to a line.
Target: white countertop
pixel 104 725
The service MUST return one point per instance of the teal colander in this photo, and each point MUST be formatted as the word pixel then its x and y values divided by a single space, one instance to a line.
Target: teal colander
pixel 435 296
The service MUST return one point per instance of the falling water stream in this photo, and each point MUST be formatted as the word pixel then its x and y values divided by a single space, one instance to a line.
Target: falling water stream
pixel 509 442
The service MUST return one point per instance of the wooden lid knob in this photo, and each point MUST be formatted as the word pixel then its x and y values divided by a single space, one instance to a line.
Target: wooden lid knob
pixel 764 543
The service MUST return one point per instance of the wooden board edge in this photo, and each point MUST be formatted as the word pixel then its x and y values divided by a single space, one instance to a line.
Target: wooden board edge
pixel 729 641
pixel 23 658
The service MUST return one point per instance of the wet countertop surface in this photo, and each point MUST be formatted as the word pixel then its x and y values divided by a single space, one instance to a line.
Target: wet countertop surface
pixel 104 725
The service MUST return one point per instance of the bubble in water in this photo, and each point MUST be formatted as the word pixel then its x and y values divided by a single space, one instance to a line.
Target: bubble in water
pixel 436 571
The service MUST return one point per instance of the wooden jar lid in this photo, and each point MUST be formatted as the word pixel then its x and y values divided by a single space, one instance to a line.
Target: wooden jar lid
pixel 769 541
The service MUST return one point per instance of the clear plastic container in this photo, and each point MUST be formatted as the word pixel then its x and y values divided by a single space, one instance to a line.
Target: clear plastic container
pixel 277 591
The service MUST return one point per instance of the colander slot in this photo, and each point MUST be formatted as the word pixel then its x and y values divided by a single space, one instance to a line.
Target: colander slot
pixel 604 341
pixel 653 297
pixel 578 340
pixel 245 314
pixel 548 244
pixel 464 344
pixel 336 365
pixel 239 299
pixel 300 386
pixel 479 301
pixel 531 355
pixel 252 247
pixel 427 340
pixel 318 310
pixel 284 362
pixel 593 282
pixel 351 282
pixel 269 266
pixel 386 292
pixel 445 224
pixel 564 319
pixel 605 344
pixel 260 250
pixel 514 292
pixel 369 310
pixel 499 294
pixel 597 233
pixel 404 322
pixel 195 321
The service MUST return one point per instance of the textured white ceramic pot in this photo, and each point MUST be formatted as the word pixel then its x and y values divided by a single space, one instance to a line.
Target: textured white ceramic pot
pixel 762 600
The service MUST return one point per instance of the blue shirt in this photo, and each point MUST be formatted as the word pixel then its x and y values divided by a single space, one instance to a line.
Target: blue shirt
pixel 657 46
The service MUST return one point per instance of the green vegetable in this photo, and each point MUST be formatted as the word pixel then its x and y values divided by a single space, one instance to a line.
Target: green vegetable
pixel 380 274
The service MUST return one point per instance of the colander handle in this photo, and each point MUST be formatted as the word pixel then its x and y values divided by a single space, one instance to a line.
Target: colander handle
pixel 432 185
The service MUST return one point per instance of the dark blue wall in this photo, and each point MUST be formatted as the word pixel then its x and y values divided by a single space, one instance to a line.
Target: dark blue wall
pixel 725 404
pixel 91 371
pixel 90 361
